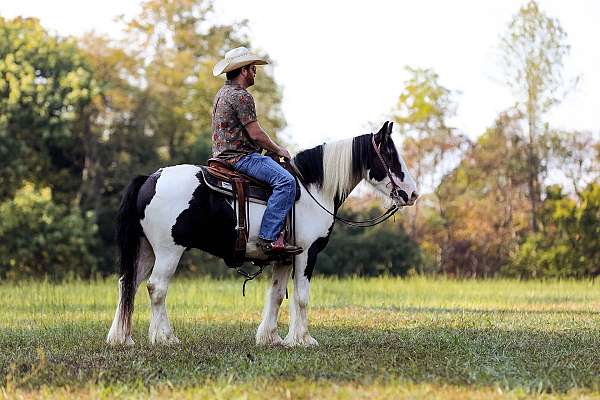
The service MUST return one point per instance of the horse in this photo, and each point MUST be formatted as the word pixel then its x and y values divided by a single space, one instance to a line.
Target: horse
pixel 172 210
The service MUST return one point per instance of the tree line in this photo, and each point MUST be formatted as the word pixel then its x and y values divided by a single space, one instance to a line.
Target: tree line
pixel 491 208
pixel 79 117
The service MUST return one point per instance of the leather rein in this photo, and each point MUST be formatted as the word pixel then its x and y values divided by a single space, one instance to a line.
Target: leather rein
pixel 370 222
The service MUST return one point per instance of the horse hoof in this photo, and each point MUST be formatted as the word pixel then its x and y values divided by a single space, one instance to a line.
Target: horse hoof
pixel 306 341
pixel 164 339
pixel 265 337
pixel 128 341
pixel 269 341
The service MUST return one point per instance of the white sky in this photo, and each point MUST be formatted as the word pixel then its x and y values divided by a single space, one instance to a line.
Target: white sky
pixel 341 63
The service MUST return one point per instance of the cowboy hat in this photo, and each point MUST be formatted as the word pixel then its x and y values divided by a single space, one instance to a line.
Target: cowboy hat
pixel 237 58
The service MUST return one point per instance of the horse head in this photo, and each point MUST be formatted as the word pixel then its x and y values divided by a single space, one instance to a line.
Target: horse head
pixel 386 169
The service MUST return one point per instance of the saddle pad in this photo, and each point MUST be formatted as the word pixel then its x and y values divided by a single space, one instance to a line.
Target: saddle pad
pixel 255 194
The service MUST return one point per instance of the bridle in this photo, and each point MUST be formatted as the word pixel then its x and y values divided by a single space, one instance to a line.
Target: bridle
pixel 394 195
pixel 395 192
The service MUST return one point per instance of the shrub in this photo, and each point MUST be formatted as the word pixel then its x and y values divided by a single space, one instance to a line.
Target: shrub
pixel 40 238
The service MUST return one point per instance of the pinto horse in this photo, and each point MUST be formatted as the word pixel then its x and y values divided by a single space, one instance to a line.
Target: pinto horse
pixel 172 210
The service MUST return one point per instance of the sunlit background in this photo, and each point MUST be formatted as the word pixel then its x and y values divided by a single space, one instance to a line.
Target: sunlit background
pixel 341 63
pixel 499 126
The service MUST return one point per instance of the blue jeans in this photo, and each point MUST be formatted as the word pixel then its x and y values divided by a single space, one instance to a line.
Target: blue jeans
pixel 284 191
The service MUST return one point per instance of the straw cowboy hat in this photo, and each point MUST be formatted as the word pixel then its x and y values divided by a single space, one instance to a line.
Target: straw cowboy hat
pixel 237 58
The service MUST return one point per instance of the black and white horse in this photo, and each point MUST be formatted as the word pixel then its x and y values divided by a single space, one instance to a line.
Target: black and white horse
pixel 172 210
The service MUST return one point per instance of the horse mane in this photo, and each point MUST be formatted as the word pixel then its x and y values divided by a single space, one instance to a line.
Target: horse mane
pixel 309 163
pixel 337 167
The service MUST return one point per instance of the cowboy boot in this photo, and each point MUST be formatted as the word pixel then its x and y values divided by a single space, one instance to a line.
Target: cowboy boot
pixel 278 246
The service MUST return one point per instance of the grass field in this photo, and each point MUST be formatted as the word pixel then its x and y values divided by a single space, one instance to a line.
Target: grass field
pixel 379 338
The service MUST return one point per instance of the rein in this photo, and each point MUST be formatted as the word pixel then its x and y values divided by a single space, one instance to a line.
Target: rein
pixel 369 222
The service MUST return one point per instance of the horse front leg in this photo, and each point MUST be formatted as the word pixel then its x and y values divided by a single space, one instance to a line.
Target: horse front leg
pixel 298 334
pixel 267 330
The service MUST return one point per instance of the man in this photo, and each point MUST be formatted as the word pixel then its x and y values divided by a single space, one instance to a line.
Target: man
pixel 238 138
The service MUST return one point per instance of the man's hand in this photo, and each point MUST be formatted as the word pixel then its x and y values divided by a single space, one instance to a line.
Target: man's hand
pixel 284 153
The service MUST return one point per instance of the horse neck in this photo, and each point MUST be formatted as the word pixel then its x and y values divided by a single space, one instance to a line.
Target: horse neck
pixel 334 169
pixel 340 176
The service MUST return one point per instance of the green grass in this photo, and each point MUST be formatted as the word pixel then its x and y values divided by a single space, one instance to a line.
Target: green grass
pixel 379 338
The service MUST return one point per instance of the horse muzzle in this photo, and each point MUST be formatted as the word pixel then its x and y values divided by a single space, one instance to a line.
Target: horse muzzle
pixel 400 197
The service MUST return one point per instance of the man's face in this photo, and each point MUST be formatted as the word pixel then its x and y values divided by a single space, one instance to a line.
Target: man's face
pixel 249 74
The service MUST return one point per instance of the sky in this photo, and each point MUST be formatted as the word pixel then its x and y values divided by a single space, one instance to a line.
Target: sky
pixel 341 63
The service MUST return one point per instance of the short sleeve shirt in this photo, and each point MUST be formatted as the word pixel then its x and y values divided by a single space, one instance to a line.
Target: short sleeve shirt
pixel 233 109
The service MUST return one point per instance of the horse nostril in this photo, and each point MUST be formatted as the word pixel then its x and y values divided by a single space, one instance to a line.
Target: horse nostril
pixel 414 196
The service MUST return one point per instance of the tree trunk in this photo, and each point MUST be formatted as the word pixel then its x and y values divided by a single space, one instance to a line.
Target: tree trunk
pixel 532 164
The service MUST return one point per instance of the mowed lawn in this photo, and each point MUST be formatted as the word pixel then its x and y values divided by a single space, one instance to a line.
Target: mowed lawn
pixel 379 338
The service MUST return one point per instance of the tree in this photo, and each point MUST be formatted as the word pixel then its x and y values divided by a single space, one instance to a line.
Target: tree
pixel 383 249
pixel 180 46
pixel 431 148
pixel 484 201
pixel 532 52
pixel 45 86
pixel 155 103
pixel 568 244
pixel 43 238
pixel 575 154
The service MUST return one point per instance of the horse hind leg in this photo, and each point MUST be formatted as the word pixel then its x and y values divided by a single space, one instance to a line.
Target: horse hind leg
pixel 120 332
pixel 267 330
pixel 160 331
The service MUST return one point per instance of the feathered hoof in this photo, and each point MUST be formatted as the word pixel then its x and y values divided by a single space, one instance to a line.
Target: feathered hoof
pixel 268 338
pixel 304 341
pixel 114 340
pixel 165 339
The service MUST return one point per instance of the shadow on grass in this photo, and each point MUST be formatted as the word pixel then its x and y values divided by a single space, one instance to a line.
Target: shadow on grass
pixel 477 311
pixel 532 360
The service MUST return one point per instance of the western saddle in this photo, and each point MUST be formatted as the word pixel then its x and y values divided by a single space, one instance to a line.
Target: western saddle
pixel 220 176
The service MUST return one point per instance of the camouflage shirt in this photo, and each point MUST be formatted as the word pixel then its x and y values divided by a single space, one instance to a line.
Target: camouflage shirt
pixel 233 109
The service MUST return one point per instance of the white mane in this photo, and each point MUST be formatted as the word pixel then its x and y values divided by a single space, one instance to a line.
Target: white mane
pixel 337 168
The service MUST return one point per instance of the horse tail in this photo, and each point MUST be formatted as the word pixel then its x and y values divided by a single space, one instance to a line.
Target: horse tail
pixel 129 232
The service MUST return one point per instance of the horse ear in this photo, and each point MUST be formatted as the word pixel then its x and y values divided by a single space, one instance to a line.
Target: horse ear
pixel 383 129
pixel 381 135
pixel 390 127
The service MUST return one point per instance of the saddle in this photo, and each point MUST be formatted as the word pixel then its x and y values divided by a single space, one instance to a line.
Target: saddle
pixel 221 177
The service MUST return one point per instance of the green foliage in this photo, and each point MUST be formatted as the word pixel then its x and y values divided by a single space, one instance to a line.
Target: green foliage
pixel 80 117
pixel 182 45
pixel 385 249
pixel 43 238
pixel 569 244
pixel 156 103
pixel 83 117
pixel 422 112
pixel 44 86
